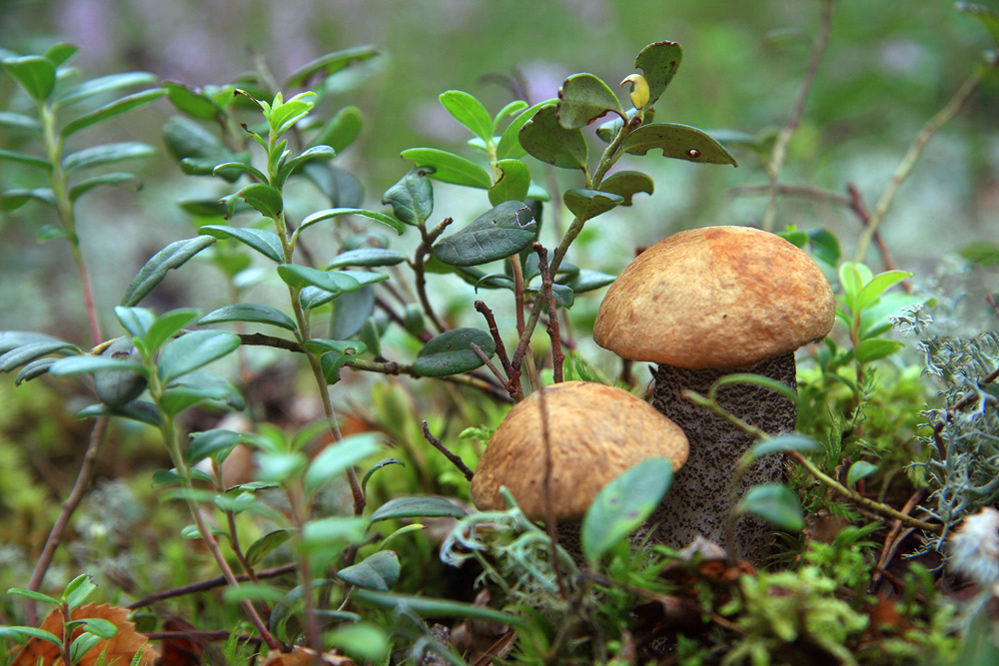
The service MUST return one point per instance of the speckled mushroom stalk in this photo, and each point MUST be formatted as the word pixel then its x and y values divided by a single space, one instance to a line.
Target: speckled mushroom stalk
pixel 596 433
pixel 703 304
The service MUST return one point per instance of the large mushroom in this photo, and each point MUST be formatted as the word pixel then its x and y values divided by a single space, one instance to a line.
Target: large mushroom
pixel 703 304
pixel 595 432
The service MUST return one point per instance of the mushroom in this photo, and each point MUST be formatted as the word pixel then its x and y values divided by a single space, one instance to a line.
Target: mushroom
pixel 596 433
pixel 703 304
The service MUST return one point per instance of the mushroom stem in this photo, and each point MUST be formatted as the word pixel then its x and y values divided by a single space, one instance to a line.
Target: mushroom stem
pixel 700 499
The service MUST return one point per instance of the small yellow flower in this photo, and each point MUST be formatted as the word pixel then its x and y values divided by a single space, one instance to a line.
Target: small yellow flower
pixel 639 90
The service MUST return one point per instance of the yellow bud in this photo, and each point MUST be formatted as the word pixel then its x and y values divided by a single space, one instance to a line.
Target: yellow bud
pixel 639 90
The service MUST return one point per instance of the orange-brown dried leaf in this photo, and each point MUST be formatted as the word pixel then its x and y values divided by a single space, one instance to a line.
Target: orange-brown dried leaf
pixel 180 651
pixel 120 649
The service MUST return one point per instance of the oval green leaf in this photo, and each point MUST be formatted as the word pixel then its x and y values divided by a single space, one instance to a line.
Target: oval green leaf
pixel 544 138
pixel 586 204
pixel 627 184
pixel 263 241
pixel 194 350
pixel 451 353
pixel 106 154
pixel 468 111
pixel 378 572
pixel 412 198
pixel 449 168
pixel 623 505
pixel 775 503
pixel 418 507
pixel 338 458
pixel 513 184
pixel 859 470
pixel 659 62
pixel 583 99
pixel 677 141
pixel 35 74
pixel 496 234
pixel 256 313
pixel 152 273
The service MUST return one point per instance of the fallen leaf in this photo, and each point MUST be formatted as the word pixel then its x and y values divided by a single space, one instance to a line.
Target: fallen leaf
pixel 119 649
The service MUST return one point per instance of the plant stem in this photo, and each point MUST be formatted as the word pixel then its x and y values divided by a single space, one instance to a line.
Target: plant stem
pixel 916 149
pixel 68 507
pixel 779 152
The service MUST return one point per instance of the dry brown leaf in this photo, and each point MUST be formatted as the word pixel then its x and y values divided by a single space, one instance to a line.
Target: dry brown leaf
pixel 121 648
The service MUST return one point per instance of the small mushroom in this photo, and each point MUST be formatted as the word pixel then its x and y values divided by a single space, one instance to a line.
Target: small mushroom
pixel 703 304
pixel 596 433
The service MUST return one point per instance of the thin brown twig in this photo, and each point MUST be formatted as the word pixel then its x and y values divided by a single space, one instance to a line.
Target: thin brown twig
pixel 484 310
pixel 858 206
pixel 779 152
pixel 553 324
pixel 209 584
pixel 452 457
pixel 69 506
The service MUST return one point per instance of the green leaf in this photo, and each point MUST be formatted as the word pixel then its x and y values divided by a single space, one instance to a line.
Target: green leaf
pixel 313 297
pixel 412 198
pixel 35 74
pixel 315 153
pixel 26 353
pixel 379 572
pixel 154 271
pixel 284 116
pixel 98 626
pixel 366 256
pixel 264 198
pixel 78 590
pixel 103 84
pixel 18 121
pixel 509 144
pixel 587 280
pixel 191 101
pixel 825 246
pixel 263 241
pixel 623 505
pixel 469 112
pixel 780 443
pixel 136 410
pixel 33 370
pixel 192 351
pixel 583 99
pixel 363 642
pixel 377 466
pixel 166 326
pixel 627 184
pixel 331 213
pixel 428 607
pixel 876 348
pixel 338 458
pixel 989 18
pixel 79 365
pixel 852 278
pixel 108 111
pixel 257 313
pixel 859 470
pixel 451 353
pixel 757 380
pixel 341 187
pixel 341 130
pixel 116 178
pixel 680 142
pixel 659 62
pixel 981 252
pixel 496 234
pixel 135 320
pixel 260 548
pixel 198 386
pixel 298 276
pixel 12 200
pixel 418 507
pixel 82 644
pixel 223 169
pixel 21 634
pixel 110 153
pixel 513 184
pixel 873 290
pixel 279 465
pixel 544 138
pixel 198 150
pixel 22 158
pixel 587 204
pixel 775 503
pixel 328 65
pixel 209 442
pixel 449 168
pixel 32 594
pixel 60 52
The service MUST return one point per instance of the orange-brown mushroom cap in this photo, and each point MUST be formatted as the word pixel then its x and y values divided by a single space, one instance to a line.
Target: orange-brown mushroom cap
pixel 718 297
pixel 596 433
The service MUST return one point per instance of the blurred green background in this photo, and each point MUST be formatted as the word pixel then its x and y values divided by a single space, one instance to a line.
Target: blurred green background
pixel 889 67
